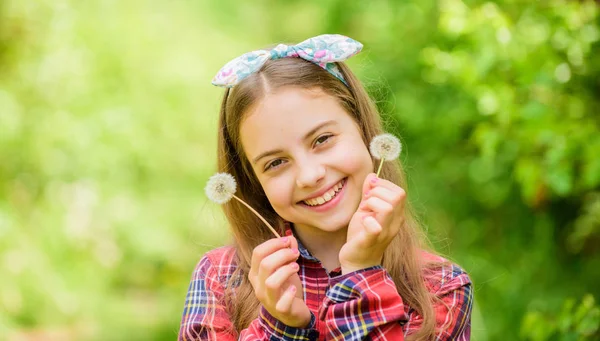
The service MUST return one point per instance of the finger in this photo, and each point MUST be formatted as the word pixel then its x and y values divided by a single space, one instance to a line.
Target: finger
pixel 381 192
pixel 369 181
pixel 284 304
pixel 265 249
pixel 293 240
pixel 379 182
pixel 279 278
pixel 394 198
pixel 276 260
pixel 377 205
pixel 367 186
pixel 293 243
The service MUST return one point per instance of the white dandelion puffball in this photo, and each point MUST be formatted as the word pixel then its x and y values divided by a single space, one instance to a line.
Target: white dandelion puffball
pixel 385 146
pixel 220 187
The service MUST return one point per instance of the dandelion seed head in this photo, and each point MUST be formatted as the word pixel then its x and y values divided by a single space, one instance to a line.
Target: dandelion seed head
pixel 385 146
pixel 220 187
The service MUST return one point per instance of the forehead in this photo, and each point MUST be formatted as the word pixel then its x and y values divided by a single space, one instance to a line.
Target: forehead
pixel 286 116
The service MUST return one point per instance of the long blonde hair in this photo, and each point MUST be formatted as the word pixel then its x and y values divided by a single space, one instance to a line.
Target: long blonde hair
pixel 401 259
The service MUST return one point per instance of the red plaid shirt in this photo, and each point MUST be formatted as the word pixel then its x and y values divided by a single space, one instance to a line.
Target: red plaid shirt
pixel 353 306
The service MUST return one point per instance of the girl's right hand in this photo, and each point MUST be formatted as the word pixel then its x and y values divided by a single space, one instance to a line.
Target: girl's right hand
pixel 274 277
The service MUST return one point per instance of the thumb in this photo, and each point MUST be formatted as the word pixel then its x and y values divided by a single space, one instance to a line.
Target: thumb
pixel 371 231
pixel 295 280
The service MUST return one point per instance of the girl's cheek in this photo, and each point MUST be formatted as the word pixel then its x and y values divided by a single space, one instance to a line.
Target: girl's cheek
pixel 353 163
pixel 352 159
pixel 278 191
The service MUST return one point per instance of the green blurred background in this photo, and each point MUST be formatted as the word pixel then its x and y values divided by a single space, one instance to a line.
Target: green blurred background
pixel 108 134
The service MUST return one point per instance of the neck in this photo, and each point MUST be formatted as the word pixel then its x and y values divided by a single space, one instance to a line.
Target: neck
pixel 323 245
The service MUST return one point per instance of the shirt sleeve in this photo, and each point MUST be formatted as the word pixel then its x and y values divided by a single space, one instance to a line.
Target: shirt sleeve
pixel 279 331
pixel 453 309
pixel 205 316
pixel 366 303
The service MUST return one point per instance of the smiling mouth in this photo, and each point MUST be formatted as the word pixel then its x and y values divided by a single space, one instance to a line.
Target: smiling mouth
pixel 328 196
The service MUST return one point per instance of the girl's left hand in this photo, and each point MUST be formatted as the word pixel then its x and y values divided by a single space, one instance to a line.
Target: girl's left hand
pixel 378 219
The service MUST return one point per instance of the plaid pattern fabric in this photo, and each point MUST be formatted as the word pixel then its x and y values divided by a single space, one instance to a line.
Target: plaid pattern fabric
pixel 359 305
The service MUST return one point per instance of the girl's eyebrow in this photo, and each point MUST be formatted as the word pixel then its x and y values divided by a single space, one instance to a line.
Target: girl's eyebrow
pixel 315 129
pixel 265 154
pixel 306 136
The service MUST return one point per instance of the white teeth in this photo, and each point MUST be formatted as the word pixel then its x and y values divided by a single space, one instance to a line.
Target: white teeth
pixel 325 197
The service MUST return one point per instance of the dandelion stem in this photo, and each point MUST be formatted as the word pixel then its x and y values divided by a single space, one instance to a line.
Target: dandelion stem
pixel 380 164
pixel 258 215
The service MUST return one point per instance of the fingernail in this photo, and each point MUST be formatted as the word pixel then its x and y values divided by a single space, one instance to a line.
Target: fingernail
pixel 295 266
pixel 295 251
pixel 374 180
pixel 284 240
pixel 367 193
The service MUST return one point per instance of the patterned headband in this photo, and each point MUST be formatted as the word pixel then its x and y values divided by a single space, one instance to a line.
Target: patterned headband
pixel 322 50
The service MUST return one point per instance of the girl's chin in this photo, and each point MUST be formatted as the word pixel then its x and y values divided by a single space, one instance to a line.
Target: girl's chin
pixel 330 226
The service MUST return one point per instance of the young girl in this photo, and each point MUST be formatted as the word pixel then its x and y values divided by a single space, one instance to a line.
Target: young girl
pixel 294 128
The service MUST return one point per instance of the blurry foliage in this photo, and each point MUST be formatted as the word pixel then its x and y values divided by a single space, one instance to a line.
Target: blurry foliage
pixel 108 128
pixel 580 322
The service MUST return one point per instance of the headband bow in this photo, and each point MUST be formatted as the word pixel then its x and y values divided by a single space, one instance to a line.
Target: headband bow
pixel 322 50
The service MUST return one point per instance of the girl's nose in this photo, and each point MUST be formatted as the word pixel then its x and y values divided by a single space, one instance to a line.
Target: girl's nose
pixel 310 174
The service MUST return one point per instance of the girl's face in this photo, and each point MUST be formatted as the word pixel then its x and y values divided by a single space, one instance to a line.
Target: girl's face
pixel 309 157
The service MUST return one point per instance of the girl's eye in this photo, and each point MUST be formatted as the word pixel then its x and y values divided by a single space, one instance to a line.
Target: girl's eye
pixel 322 139
pixel 274 164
